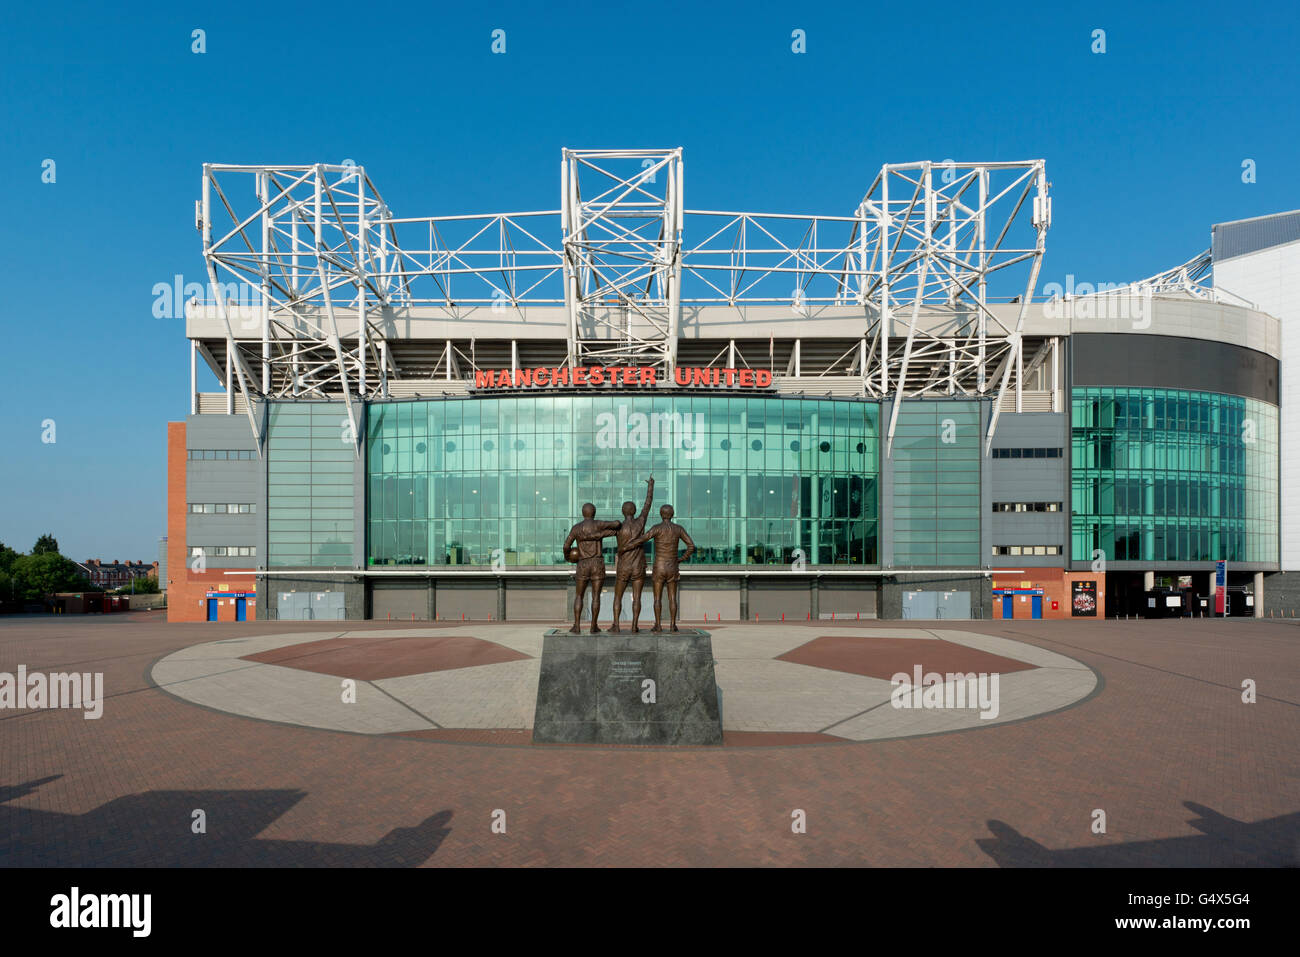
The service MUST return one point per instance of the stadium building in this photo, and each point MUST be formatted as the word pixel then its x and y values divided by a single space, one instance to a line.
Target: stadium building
pixel 877 414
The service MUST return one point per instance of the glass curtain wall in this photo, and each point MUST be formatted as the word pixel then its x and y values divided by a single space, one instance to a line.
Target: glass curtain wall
pixel 1164 475
pixel 754 480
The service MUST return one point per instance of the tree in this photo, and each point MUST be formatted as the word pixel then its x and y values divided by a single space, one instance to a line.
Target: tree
pixel 36 576
pixel 47 544
pixel 8 583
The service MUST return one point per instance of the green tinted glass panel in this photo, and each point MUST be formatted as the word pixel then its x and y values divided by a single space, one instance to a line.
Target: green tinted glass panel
pixel 756 481
pixel 1164 475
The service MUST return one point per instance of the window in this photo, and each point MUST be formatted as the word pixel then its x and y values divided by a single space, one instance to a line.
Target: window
pixel 1034 453
pixel 1021 550
pixel 224 551
pixel 1173 476
pixel 221 455
pixel 223 508
pixel 1026 506
pixel 452 482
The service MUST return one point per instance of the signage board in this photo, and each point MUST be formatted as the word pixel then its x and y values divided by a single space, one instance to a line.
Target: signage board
pixel 621 377
pixel 1083 599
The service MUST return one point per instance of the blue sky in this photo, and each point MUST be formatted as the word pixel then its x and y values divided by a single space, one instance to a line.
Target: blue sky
pixel 1144 146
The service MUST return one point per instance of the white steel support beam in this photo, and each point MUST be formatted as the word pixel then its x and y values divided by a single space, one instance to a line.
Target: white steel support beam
pixel 886 307
pixel 907 355
pixel 363 321
pixel 263 195
pixel 621 216
pixel 320 249
pixel 982 291
pixel 232 351
pixel 334 339
pixel 1041 220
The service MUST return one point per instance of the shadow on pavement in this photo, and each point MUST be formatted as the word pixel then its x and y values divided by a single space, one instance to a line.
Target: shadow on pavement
pixel 153 829
pixel 1223 842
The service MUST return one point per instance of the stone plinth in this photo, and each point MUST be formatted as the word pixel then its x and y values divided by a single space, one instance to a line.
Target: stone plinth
pixel 627 689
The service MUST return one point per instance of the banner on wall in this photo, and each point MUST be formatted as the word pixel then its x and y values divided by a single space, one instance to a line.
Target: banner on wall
pixel 1220 585
pixel 1083 599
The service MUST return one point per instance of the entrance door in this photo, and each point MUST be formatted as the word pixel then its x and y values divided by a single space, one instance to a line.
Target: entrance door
pixel 1008 606
pixel 920 604
pixel 241 609
pixel 212 609
pixel 1037 610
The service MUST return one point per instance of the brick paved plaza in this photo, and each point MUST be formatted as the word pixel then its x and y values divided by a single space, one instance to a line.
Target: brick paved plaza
pixel 1143 720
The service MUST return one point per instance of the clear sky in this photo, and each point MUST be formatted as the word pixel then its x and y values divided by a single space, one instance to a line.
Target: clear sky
pixel 1144 146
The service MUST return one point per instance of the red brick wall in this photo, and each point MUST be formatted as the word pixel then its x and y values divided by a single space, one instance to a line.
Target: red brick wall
pixel 187 590
pixel 1055 583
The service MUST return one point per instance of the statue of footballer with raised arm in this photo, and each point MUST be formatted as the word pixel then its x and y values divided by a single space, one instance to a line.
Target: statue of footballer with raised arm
pixel 629 567
pixel 666 574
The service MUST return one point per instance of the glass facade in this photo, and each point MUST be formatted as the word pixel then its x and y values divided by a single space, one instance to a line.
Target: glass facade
pixel 936 477
pixel 754 480
pixel 310 490
pixel 1167 476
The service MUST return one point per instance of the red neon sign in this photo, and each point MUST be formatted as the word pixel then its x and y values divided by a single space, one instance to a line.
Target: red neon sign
pixel 697 377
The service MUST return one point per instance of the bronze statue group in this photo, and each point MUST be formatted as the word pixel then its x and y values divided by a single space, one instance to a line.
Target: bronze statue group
pixel 583 546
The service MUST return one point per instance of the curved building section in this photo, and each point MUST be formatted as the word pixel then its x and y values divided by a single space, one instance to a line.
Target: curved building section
pixel 1174 449
pixel 1173 362
pixel 1173 477
pixel 1174 446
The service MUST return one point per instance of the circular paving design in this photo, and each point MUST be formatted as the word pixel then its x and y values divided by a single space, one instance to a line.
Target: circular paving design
pixel 779 685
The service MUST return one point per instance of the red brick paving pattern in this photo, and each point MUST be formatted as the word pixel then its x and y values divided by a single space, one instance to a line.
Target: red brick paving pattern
pixel 769 739
pixel 519 737
pixel 1166 748
pixel 374 658
pixel 886 657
